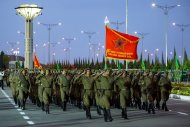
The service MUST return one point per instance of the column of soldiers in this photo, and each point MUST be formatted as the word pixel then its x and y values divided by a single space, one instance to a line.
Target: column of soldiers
pixel 84 88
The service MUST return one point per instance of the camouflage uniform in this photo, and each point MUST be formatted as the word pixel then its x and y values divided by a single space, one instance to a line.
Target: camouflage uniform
pixel 23 88
pixel 46 82
pixel 165 87
pixel 150 91
pixel 63 81
pixel 40 89
pixel 13 85
pixel 123 84
pixel 106 83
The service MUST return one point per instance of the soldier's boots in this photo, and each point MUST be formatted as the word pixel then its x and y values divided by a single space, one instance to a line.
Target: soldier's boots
pixel 18 101
pixel 110 119
pixel 42 106
pixel 64 105
pixel 22 104
pixel 124 113
pixel 164 106
pixel 105 115
pixel 158 105
pixel 47 109
pixel 139 105
pixel 145 106
pixel 88 114
pixel 15 99
pixel 151 108
pixel 99 110
pixel 38 103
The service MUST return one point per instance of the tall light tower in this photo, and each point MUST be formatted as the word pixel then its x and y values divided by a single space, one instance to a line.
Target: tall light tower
pixel 182 28
pixel 69 40
pixel 166 9
pixel 89 34
pixel 29 12
pixel 142 35
pixel 49 27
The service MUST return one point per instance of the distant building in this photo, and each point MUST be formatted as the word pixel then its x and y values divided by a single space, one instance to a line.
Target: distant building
pixel 12 61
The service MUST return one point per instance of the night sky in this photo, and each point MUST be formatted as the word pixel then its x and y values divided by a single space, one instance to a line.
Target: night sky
pixel 88 15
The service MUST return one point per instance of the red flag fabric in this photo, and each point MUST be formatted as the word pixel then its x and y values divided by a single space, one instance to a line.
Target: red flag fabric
pixel 120 45
pixel 36 62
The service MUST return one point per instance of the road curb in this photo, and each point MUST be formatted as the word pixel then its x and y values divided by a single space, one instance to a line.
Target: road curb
pixel 180 97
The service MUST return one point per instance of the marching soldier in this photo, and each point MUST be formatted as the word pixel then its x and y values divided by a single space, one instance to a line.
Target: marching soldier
pixel 150 91
pixel 165 87
pixel 40 90
pixel 23 88
pixel 143 92
pixel 123 84
pixel 46 82
pixel 136 90
pixel 63 81
pixel 106 82
pixel 13 84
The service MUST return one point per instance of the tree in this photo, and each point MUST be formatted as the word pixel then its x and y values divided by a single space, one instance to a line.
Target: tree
pixel 185 57
pixel 1 60
pixel 113 65
pixel 163 64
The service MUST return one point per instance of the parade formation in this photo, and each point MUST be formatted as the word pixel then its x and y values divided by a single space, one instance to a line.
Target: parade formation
pixel 104 89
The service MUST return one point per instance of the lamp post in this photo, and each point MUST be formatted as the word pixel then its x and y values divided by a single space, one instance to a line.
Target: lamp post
pixel 53 55
pixel 29 12
pixel 94 47
pixel 166 9
pixel 12 44
pixel 69 40
pixel 182 28
pixel 117 24
pixel 156 55
pixel 36 45
pixel 65 51
pixel 141 35
pixel 44 46
pixel 49 27
pixel 89 34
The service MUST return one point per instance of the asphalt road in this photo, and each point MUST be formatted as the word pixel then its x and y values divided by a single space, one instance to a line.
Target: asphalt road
pixel 12 116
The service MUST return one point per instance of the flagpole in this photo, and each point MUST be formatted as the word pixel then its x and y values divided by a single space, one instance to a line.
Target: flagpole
pixel 106 21
pixel 126 27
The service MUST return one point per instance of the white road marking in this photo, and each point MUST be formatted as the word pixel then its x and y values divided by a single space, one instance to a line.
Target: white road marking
pixel 30 122
pixel 19 109
pixel 22 113
pixel 16 106
pixel 182 113
pixel 26 117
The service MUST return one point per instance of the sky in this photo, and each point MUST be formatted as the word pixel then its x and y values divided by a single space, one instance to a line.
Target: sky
pixel 88 15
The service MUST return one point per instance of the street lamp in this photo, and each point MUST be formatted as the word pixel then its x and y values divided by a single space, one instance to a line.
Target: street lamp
pixel 29 12
pixel 49 27
pixel 156 55
pixel 182 28
pixel 69 44
pixel 65 51
pixel 141 35
pixel 36 45
pixel 53 54
pixel 94 47
pixel 16 52
pixel 166 9
pixel 89 34
pixel 117 24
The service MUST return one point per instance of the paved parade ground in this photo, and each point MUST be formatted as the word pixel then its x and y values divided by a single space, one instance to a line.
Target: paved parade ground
pixel 12 116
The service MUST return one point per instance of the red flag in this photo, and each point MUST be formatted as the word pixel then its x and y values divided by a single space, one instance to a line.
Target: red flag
pixel 36 62
pixel 120 45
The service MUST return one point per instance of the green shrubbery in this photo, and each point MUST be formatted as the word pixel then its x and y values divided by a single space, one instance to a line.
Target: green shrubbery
pixel 181 89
